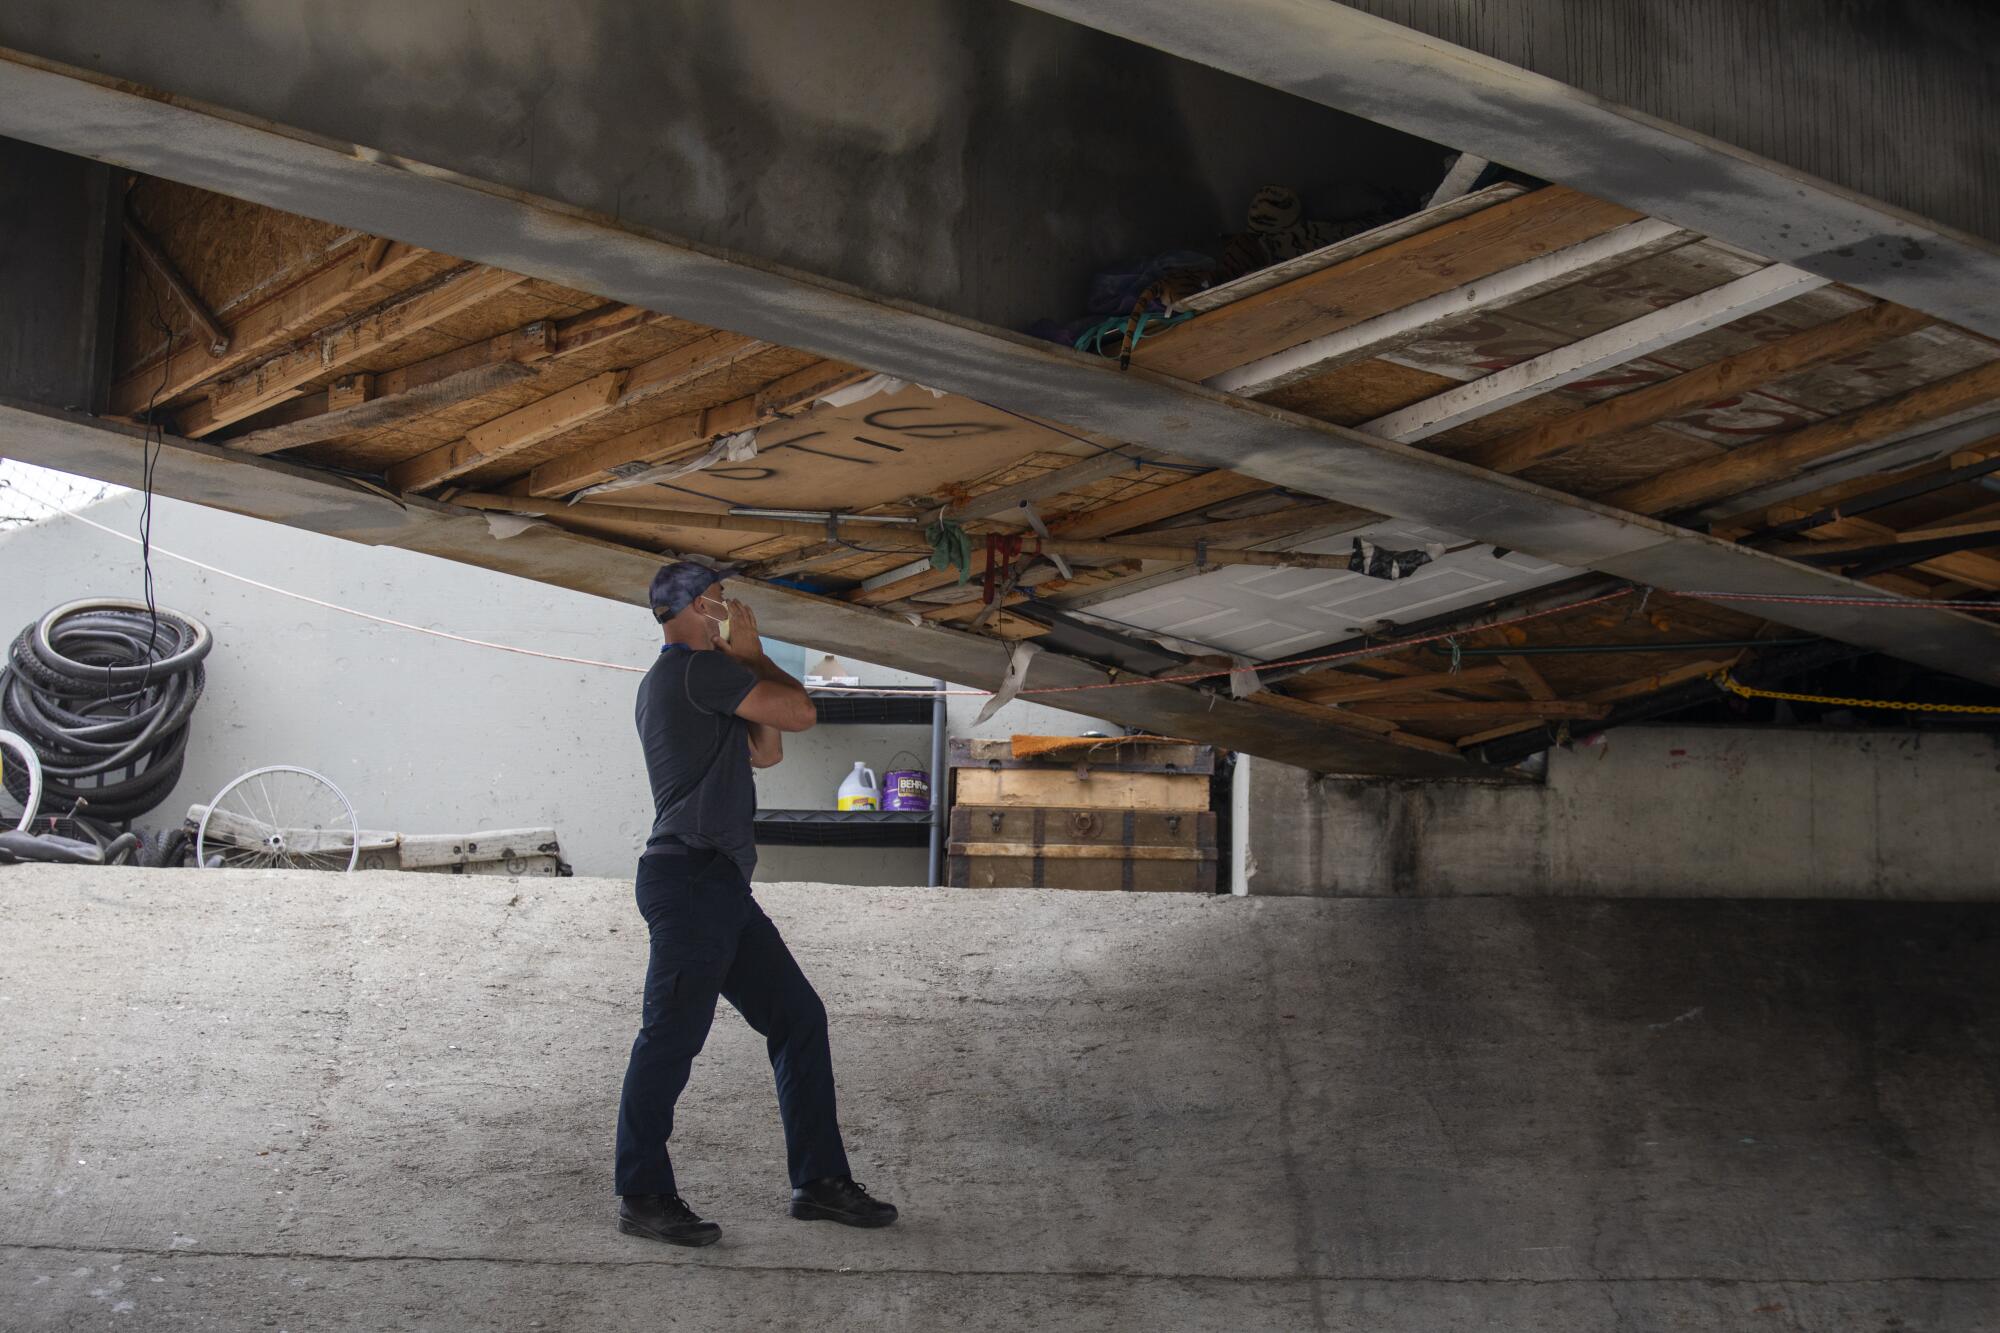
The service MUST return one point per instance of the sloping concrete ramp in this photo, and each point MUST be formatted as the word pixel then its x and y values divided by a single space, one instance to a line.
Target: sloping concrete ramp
pixel 378 1102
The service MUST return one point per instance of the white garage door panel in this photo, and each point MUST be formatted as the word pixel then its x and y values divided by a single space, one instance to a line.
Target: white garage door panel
pixel 1266 613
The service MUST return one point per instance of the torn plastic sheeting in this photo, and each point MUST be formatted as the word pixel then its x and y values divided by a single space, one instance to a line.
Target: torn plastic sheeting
pixel 503 526
pixel 738 448
pixel 868 388
pixel 1378 562
pixel 1243 678
pixel 1019 654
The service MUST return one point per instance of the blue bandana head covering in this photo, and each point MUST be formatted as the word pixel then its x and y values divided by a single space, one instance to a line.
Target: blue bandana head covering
pixel 676 586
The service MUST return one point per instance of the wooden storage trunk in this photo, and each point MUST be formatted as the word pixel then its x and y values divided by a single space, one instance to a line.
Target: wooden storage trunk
pixel 1056 847
pixel 1130 816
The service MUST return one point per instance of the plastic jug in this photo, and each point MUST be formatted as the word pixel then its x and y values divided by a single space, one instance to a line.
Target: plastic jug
pixel 860 791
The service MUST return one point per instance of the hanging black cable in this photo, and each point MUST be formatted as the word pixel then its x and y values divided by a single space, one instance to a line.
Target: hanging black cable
pixel 103 690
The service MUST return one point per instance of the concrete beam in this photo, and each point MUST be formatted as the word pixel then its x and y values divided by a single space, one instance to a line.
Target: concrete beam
pixel 325 503
pixel 1338 56
pixel 424 205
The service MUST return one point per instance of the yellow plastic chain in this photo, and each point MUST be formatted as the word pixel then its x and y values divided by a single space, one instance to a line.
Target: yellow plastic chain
pixel 1727 682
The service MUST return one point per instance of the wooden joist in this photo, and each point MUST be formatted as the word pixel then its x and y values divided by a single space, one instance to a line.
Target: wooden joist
pixel 1565 365
pixel 665 440
pixel 1631 689
pixel 549 417
pixel 1426 683
pixel 1381 728
pixel 281 377
pixel 1454 710
pixel 1003 502
pixel 1700 386
pixel 1255 528
pixel 262 328
pixel 1971 567
pixel 376 412
pixel 1780 455
pixel 1181 497
pixel 1505 236
pixel 887 539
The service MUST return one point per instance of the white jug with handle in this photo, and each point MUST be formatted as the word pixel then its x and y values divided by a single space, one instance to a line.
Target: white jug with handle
pixel 860 791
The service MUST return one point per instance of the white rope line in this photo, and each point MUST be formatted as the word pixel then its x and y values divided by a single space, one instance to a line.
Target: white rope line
pixel 1130 681
pixel 362 615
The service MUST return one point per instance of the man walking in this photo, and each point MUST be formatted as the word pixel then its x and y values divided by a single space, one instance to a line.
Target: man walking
pixel 713 707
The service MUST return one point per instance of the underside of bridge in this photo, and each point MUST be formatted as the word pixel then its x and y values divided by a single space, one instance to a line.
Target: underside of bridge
pixel 1433 457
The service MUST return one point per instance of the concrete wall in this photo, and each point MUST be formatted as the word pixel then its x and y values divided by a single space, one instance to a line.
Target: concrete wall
pixel 969 154
pixel 1651 812
pixel 1893 100
pixel 56 243
pixel 426 735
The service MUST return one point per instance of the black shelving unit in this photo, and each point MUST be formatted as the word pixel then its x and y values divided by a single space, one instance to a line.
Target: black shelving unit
pixel 873 828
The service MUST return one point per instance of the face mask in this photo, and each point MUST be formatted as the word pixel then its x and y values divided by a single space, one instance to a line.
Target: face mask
pixel 722 625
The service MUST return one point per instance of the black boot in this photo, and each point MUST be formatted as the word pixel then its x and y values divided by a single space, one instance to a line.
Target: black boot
pixel 839 1199
pixel 664 1217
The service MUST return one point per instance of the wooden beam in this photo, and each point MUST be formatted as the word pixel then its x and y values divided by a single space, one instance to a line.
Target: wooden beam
pixel 1981 571
pixel 383 411
pixel 1391 329
pixel 1198 492
pixel 1586 356
pixel 1527 677
pixel 261 328
pixel 1505 236
pixel 527 346
pixel 215 340
pixel 1770 459
pixel 1352 721
pixel 1385 689
pixel 805 557
pixel 1005 501
pixel 882 538
pixel 664 440
pixel 507 435
pixel 280 377
pixel 1702 385
pixel 1169 501
pixel 1986 518
pixel 1452 710
pixel 1346 248
pixel 1257 528
pixel 1631 689
pixel 528 426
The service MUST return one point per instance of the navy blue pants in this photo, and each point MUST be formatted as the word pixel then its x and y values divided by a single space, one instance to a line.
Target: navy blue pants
pixel 710 939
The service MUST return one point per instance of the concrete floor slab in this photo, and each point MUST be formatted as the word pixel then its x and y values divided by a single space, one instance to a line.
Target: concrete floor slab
pixel 382 1102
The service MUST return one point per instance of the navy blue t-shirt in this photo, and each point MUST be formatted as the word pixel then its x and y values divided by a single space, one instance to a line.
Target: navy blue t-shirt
pixel 698 753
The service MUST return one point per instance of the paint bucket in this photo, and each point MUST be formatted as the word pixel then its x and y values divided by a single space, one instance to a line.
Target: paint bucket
pixel 906 789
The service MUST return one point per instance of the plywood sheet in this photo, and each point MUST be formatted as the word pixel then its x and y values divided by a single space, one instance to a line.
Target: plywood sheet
pixel 889 448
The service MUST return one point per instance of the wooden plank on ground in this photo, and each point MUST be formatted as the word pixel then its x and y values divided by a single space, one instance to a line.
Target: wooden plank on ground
pixel 267 325
pixel 1771 459
pixel 279 378
pixel 1103 789
pixel 1702 385
pixel 1501 237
